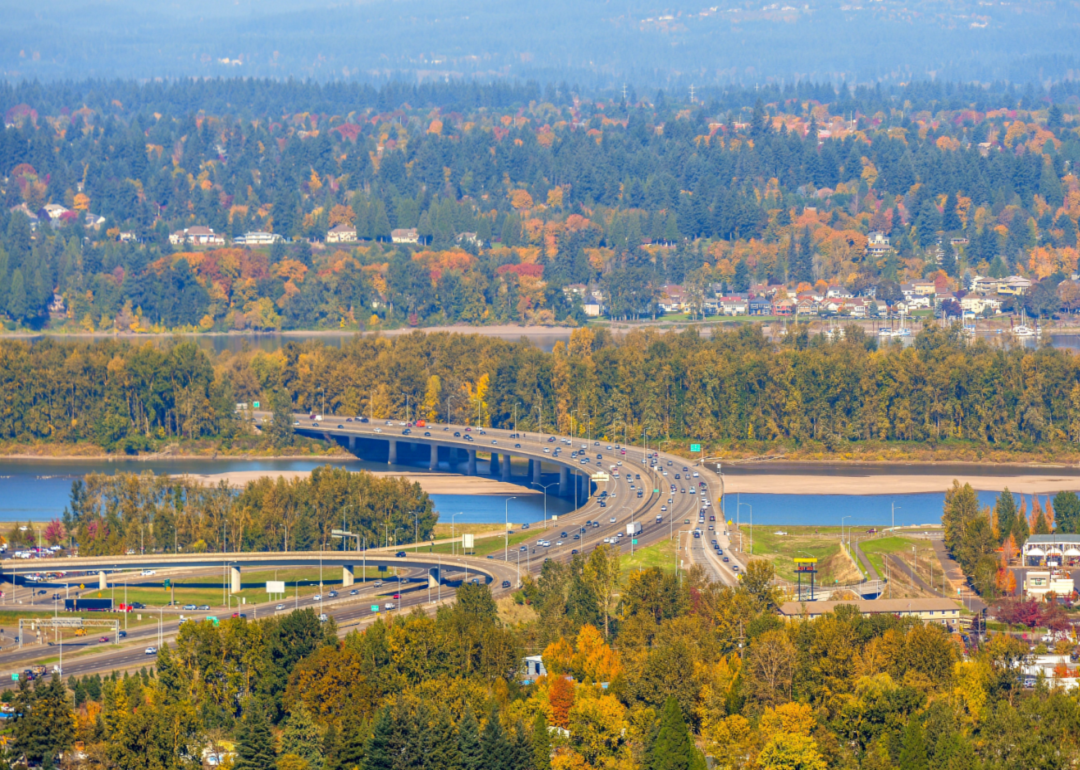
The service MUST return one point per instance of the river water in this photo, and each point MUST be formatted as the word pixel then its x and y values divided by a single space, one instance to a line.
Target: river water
pixel 38 490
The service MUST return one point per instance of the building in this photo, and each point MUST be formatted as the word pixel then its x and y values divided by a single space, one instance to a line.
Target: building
pixel 405 235
pixel 196 236
pixel 1038 583
pixel 1051 551
pixel 53 211
pixel 877 244
pixel 257 238
pixel 534 667
pixel 672 298
pixel 1014 285
pixel 758 306
pixel 977 304
pixel 471 238
pixel 933 610
pixel 783 307
pixel 341 234
pixel 593 305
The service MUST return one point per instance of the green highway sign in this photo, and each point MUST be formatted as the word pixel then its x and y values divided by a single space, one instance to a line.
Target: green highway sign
pixel 255 404
pixel 655 491
pixel 634 541
pixel 695 447
pixel 374 608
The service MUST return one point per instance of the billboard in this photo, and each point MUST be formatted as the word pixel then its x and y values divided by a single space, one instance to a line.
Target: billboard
pixel 275 586
pixel 468 541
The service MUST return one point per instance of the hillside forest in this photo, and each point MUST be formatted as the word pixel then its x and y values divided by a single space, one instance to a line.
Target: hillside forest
pixel 516 192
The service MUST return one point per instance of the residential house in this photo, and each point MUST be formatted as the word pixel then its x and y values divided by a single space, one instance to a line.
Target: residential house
pixel 196 236
pixel 54 212
pixel 807 305
pixel 734 304
pixel 758 306
pixel 405 235
pixel 977 304
pixel 341 234
pixel 673 298
pixel 470 238
pixel 57 308
pixel 593 305
pixel 93 220
pixel 877 244
pixel 127 236
pixel 924 288
pixel 856 307
pixel 257 238
pixel 783 307
pixel 572 290
pixel 1014 285
pixel 985 285
pixel 23 209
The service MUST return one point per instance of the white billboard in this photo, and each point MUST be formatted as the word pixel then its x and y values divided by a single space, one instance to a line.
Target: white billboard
pixel 275 586
pixel 468 541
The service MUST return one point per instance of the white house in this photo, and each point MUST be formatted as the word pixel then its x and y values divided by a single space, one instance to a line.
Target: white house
pixel 341 234
pixel 405 235
pixel 257 238
pixel 197 236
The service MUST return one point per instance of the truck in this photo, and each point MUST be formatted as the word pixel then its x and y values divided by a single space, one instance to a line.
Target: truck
pixel 633 529
pixel 421 423
pixel 88 605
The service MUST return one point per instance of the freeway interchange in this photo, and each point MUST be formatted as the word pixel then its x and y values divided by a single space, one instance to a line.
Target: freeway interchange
pixel 606 505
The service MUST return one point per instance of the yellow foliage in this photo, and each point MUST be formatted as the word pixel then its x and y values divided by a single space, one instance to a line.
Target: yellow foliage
pixel 435 127
pixel 520 199
pixel 82 202
pixel 555 197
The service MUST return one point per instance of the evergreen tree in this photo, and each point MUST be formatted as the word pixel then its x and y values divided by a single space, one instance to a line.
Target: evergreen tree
pixel 352 742
pixel 255 749
pixel 17 303
pixel 378 754
pixel 494 745
pixel 1067 512
pixel 672 747
pixel 950 217
pixel 1005 513
pixel 541 743
pixel 472 752
pixel 44 725
pixel 913 754
pixel 302 738
pixel 445 749
pixel 948 259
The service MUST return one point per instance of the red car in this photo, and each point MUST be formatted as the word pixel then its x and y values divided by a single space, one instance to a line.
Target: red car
pixel 103 639
pixel 397 596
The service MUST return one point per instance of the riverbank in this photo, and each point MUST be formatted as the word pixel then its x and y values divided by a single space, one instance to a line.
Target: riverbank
pixel 432 483
pixel 896 484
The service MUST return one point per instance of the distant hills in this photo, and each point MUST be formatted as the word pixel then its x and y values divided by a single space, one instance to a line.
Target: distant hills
pixel 603 44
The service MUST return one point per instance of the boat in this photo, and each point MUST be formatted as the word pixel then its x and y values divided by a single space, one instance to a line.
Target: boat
pixel 1025 331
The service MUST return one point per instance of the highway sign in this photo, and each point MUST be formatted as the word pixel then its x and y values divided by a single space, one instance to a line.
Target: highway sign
pixel 275 586
pixel 695 447
pixel 255 404
pixel 374 608
pixel 634 541
pixel 468 541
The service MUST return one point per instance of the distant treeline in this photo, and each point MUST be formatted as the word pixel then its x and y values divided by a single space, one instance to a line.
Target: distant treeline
pixel 733 389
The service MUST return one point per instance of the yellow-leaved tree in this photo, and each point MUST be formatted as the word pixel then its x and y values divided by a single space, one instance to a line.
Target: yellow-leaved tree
pixel 478 395
pixel 432 394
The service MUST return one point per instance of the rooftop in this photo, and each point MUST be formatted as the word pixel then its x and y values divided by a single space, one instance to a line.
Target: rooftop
pixel 872 606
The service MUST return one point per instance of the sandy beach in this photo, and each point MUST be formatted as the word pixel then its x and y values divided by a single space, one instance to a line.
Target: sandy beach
pixel 895 485
pixel 432 483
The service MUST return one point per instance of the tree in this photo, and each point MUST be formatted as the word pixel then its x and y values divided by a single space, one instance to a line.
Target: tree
pixel 472 750
pixel 255 749
pixel 770 668
pixel 44 725
pixel 603 576
pixel 302 738
pixel 378 753
pixel 1067 512
pixel 786 751
pixel 281 425
pixel 561 697
pixel 672 747
pixel 913 754
pixel 17 302
pixel 541 743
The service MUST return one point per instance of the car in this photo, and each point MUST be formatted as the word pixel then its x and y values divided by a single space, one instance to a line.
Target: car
pixel 547 450
pixel 103 639
pixel 323 617
pixel 151 650
pixel 396 596
pixel 524 548
pixel 468 429
pixel 147 572
pixel 612 520
pixel 493 441
pixel 468 438
pixel 401 554
pixel 406 432
pixel 378 430
pixel 280 607
pixel 726 560
pixel 354 592
pixel 558 543
pixel 734 567
pixel 341 426
pixel 391 422
pixel 203 607
pixel 388 606
pixel 574 552
pixel 457 434
pixel 332 594
pixel 506 584
pixel 123 634
pixel 427 433
pixel 378 584
pixel 516 446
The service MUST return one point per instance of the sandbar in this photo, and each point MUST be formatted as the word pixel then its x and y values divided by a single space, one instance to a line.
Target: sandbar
pixel 827 484
pixel 432 483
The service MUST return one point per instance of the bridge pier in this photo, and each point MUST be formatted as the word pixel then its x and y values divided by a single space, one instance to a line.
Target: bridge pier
pixel 234 580
pixel 102 584
pixel 433 462
pixel 564 481
pixel 470 467
pixel 352 442
pixel 348 575
pixel 534 471
pixel 506 467
pixel 493 466
pixel 434 577
pixel 392 456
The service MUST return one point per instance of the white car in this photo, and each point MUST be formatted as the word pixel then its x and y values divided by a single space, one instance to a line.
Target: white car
pixel 148 572
pixel 316 598
pixel 151 650
pixel 388 606
pixel 280 607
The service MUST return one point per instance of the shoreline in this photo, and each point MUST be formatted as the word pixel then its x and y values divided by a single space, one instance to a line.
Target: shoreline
pixel 432 483
pixel 894 484
pixel 495 330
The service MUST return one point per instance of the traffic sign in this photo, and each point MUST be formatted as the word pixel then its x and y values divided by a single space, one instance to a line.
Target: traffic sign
pixel 695 447
pixel 374 608
pixel 634 541
pixel 255 404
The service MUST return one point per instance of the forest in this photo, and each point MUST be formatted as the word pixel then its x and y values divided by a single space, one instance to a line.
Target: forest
pixel 516 193
pixel 643 671
pixel 735 391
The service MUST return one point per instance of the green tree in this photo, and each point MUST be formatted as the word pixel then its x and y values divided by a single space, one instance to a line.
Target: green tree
pixel 18 303
pixel 378 753
pixel 255 748
pixel 281 425
pixel 302 738
pixel 541 743
pixel 672 748
pixel 472 751
pixel 1005 513
pixel 44 725
pixel 913 754
pixel 1067 512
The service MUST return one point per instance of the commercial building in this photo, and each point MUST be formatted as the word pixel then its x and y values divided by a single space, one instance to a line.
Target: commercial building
pixel 934 610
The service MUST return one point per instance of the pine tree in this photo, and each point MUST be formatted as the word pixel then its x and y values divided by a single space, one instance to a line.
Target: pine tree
pixel 17 301
pixel 302 737
pixel 472 753
pixel 1005 513
pixel 255 749
pixel 541 743
pixel 378 753
pixel 672 748
pixel 352 742
pixel 913 754
pixel 494 745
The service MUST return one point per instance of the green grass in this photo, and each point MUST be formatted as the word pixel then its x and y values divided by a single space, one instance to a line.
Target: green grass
pixel 491 545
pixel 875 550
pixel 800 542
pixel 660 555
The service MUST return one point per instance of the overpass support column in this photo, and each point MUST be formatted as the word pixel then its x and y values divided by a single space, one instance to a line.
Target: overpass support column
pixel 434 578
pixel 534 471
pixel 564 481
pixel 392 457
pixel 433 463
pixel 102 584
pixel 471 466
pixel 493 466
pixel 352 442
pixel 348 576
pixel 234 580
pixel 506 467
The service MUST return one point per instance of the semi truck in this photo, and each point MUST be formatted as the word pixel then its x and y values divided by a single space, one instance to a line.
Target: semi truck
pixel 88 605
pixel 633 529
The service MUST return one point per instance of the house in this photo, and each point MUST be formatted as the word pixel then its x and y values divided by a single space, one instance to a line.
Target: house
pixel 257 238
pixel 57 308
pixel 574 290
pixel 877 244
pixel 341 234
pixel 534 667
pixel 856 307
pixel 405 235
pixel 470 238
pixel 93 220
pixel 932 610
pixel 734 305
pixel 54 211
pixel 783 307
pixel 806 306
pixel 127 236
pixel 197 236
pixel 977 304
pixel 672 298
pixel 593 306
pixel 985 285
pixel 23 209
pixel 1014 285
pixel 758 306
pixel 924 288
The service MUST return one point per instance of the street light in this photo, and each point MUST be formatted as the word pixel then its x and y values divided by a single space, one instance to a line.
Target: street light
pixel 452 540
pixel 407 397
pixel 545 488
pixel 893 529
pixel 751 525
pixel 842 528
pixel 506 532
pixel 416 536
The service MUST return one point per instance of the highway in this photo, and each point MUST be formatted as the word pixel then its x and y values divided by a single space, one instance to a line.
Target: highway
pixel 668 508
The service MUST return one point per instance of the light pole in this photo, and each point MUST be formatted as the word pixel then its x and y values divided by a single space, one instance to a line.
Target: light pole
pixel 751 525
pixel 407 397
pixel 416 535
pixel 678 545
pixel 448 409
pixel 893 529
pixel 506 533
pixel 545 488
pixel 842 529
pixel 453 541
